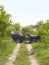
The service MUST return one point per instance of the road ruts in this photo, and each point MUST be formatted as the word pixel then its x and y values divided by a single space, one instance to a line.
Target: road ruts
pixel 31 55
pixel 13 56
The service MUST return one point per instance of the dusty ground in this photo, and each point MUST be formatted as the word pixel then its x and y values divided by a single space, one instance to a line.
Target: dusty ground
pixel 31 55
pixel 13 56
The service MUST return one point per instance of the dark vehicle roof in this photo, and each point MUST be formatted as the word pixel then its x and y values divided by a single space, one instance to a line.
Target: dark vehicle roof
pixel 16 32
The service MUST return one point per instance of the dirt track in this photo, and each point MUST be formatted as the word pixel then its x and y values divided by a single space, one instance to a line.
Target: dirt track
pixel 31 55
pixel 13 56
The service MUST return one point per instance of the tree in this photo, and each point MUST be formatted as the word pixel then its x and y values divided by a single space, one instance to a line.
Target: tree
pixel 4 20
pixel 43 31
pixel 17 26
pixel 28 29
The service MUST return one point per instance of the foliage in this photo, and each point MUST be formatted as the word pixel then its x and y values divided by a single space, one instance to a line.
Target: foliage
pixel 4 20
pixel 30 29
pixel 43 31
pixel 17 26
pixel 43 55
pixel 6 48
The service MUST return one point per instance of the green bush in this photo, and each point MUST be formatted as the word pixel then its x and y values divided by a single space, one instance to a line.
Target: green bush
pixel 41 52
pixel 5 50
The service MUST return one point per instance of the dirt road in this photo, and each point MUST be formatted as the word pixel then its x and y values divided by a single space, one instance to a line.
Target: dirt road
pixel 13 55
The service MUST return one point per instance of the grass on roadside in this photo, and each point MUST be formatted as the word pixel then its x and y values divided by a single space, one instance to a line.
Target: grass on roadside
pixel 22 58
pixel 41 52
pixel 4 53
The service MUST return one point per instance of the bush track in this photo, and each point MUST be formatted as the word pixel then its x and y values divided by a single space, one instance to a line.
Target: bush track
pixel 13 56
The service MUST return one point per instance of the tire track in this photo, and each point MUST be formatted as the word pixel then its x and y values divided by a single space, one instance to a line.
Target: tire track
pixel 31 55
pixel 13 56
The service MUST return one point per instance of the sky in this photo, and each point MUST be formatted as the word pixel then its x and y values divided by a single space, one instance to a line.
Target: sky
pixel 27 12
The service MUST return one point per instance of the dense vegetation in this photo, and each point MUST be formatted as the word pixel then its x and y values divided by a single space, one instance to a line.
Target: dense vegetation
pixel 42 53
pixel 41 29
pixel 5 51
pixel 6 43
